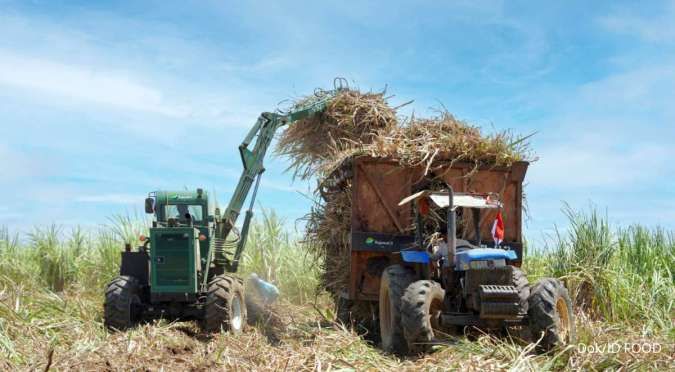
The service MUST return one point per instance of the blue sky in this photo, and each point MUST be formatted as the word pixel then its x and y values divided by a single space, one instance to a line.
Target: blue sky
pixel 101 102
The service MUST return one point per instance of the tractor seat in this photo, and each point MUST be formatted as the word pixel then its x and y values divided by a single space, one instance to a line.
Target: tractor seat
pixel 463 245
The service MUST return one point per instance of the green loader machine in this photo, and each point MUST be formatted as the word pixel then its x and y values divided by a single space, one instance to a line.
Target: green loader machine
pixel 185 269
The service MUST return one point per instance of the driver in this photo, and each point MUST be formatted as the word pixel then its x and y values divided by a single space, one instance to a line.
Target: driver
pixel 183 212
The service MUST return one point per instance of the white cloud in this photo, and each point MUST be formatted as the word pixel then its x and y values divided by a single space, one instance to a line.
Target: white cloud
pixel 608 141
pixel 615 132
pixel 7 213
pixel 17 165
pixel 589 163
pixel 10 216
pixel 83 84
pixel 269 64
pixel 110 198
pixel 660 29
pixel 646 86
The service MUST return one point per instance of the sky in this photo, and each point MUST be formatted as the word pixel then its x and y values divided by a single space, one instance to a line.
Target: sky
pixel 102 102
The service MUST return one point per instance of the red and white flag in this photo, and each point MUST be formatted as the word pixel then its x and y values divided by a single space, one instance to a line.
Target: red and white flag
pixel 498 229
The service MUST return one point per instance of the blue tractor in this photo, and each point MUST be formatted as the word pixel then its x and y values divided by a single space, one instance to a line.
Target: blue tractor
pixel 446 282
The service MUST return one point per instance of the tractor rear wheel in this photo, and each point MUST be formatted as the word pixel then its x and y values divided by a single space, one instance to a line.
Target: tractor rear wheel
pixel 395 279
pixel 225 305
pixel 421 309
pixel 551 315
pixel 121 308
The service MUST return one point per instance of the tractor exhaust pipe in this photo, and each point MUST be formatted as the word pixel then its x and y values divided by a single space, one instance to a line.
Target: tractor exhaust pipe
pixel 452 229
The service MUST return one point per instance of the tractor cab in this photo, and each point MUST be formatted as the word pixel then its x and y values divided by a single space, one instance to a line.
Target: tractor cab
pixel 459 254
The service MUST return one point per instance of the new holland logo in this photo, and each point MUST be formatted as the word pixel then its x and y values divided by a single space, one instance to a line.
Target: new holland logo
pixel 373 241
pixel 179 197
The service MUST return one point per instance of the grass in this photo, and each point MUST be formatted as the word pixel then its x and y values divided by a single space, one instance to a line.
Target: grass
pixel 51 284
pixel 622 275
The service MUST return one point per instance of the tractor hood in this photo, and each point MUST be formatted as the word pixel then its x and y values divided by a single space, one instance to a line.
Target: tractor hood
pixel 464 257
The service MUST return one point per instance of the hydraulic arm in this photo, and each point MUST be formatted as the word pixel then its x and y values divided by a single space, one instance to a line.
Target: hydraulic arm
pixel 252 159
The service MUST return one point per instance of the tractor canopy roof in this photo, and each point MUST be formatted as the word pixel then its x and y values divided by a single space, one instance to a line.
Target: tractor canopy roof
pixel 465 200
pixel 181 197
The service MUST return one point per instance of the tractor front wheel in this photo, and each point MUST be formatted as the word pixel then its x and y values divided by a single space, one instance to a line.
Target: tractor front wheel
pixel 421 309
pixel 121 308
pixel 551 315
pixel 519 280
pixel 225 305
pixel 395 279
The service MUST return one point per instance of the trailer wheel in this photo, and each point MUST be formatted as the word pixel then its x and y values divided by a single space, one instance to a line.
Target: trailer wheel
pixel 359 315
pixel 225 305
pixel 121 308
pixel 395 279
pixel 551 315
pixel 421 308
pixel 519 280
pixel 343 310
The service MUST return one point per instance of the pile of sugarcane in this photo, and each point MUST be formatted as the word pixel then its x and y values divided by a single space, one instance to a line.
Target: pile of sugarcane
pixel 356 123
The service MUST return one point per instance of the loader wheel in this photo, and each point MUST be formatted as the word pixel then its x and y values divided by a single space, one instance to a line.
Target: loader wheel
pixel 519 280
pixel 121 308
pixel 551 315
pixel 421 309
pixel 395 279
pixel 225 305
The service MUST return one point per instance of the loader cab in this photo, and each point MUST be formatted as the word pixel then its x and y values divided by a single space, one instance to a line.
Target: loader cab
pixel 179 207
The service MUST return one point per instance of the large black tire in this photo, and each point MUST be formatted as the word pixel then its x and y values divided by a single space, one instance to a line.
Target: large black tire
pixel 395 279
pixel 551 314
pixel 519 280
pixel 225 305
pixel 121 308
pixel 421 308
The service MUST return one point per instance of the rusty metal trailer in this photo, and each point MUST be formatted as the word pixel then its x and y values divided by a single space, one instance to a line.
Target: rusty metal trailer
pixel 380 228
pixel 415 270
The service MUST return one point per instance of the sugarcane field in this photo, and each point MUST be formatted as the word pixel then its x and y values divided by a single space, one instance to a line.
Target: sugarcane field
pixel 303 186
